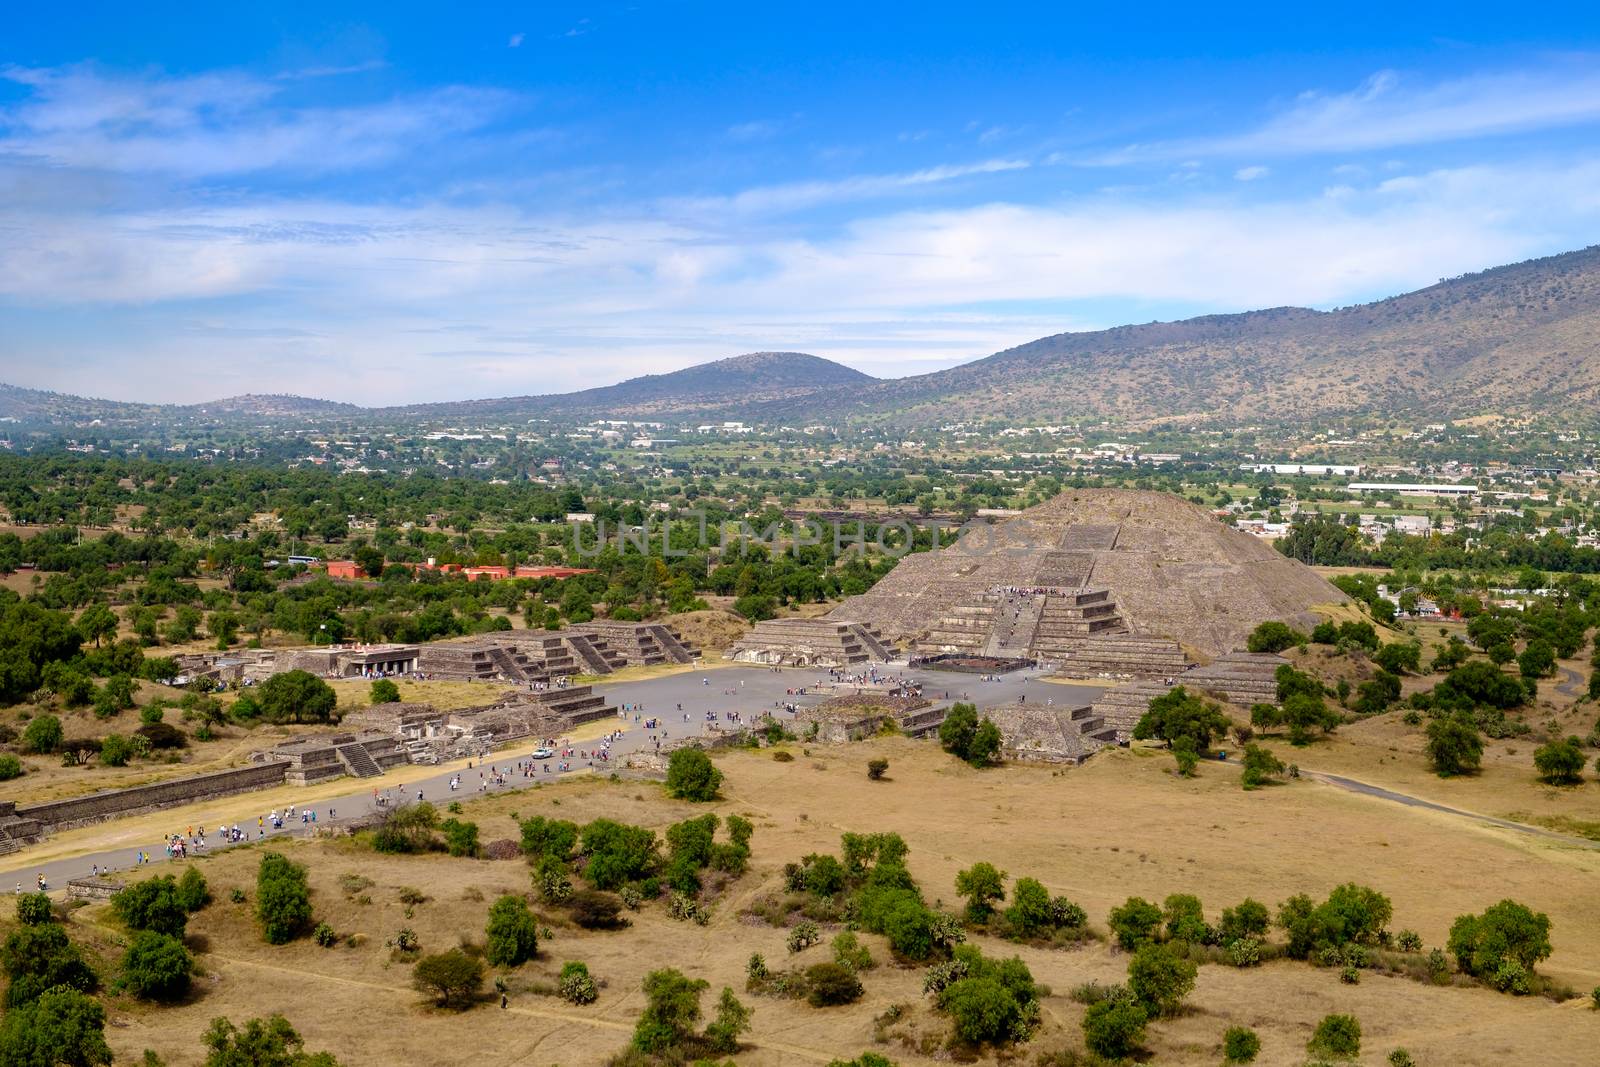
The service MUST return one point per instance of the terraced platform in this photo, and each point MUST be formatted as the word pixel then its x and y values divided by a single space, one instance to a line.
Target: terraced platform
pixel 1120 656
pixel 811 643
pixel 1242 678
pixel 1041 733
pixel 641 643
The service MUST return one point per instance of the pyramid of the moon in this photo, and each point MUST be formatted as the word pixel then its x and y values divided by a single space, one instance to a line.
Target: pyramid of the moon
pixel 1092 564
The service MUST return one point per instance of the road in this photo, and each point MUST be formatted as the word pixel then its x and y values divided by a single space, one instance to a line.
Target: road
pixel 748 690
pixel 1367 789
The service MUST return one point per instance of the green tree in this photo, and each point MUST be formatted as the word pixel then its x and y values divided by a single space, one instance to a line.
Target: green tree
pixel 731 1020
pixel 1502 945
pixel 1538 660
pixel 156 967
pixel 60 1026
pixel 39 958
pixel 672 1009
pixel 1273 636
pixel 1561 762
pixel 982 884
pixel 1178 714
pixel 152 904
pixel 1240 1045
pixel 283 898
pixel 1249 919
pixel 383 691
pixel 296 696
pixel 115 750
pixel 460 837
pixel 1030 912
pixel 1260 767
pixel 269 1042
pixel 1186 919
pixel 1337 1037
pixel 43 735
pixel 453 978
pixel 97 622
pixel 1399 657
pixel 692 776
pixel 35 909
pixel 1135 922
pixel 618 853
pixel 1160 978
pixel 1454 746
pixel 193 893
pixel 1114 1026
pixel 513 932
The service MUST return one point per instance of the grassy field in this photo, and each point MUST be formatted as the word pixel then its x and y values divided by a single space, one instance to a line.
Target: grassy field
pixel 1121 825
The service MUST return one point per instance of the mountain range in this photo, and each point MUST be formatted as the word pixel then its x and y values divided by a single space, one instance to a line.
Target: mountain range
pixel 1518 339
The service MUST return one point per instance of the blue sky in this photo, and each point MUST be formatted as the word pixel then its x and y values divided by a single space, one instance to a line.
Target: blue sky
pixel 408 202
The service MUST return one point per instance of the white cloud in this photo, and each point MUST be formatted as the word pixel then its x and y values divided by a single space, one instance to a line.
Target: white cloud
pixel 546 303
pixel 516 40
pixel 1250 174
pixel 794 196
pixel 219 124
pixel 756 130
pixel 1389 110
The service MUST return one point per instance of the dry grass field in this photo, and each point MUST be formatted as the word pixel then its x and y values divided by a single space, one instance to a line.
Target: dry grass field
pixel 1121 825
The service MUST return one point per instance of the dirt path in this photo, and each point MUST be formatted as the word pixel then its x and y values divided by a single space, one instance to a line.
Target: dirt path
pixel 1571 684
pixel 1368 789
pixel 808 1054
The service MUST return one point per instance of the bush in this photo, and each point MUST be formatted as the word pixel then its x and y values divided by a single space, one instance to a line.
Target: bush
pixel 1159 979
pixel 1561 762
pixel 1337 1037
pixel 38 958
pixel 158 735
pixel 513 933
pixel 672 1007
pixel 152 904
pixel 453 978
pixel 783 756
pixel 1454 746
pixel 384 691
pixel 1113 1027
pixel 1135 922
pixel 193 892
pixel 829 984
pixel 43 735
pixel 963 735
pixel 575 984
pixel 851 954
pixel 34 909
pixel 982 884
pixel 262 1043
pixel 1186 919
pixel 59 1026
pixel 877 768
pixel 325 935
pixel 407 828
pixel 296 696
pixel 1249 919
pixel 283 899
pixel 115 751
pixel 1030 912
pixel 1401 1058
pixel 1502 945
pixel 1273 637
pixel 803 936
pixel 461 837
pixel 594 910
pixel 10 767
pixel 1408 941
pixel 156 967
pixel 618 853
pixel 1240 1045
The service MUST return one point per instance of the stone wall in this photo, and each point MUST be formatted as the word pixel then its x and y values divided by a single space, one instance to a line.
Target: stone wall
pixel 97 807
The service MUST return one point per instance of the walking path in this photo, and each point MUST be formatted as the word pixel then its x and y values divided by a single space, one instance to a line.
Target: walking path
pixel 749 690
pixel 1368 789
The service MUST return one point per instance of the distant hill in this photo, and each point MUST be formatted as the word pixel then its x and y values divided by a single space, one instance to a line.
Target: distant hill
pixel 725 387
pixel 1521 339
pixel 1518 339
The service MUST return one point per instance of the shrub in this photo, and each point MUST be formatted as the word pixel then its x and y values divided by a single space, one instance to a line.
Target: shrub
pixel 34 909
pixel 877 768
pixel 1561 762
pixel 38 958
pixel 283 900
pixel 672 1007
pixel 982 884
pixel 156 967
pixel 783 756
pixel 594 910
pixel 453 978
pixel 115 751
pixel 152 904
pixel 1249 919
pixel 1030 912
pixel 829 984
pixel 575 983
pixel 1454 746
pixel 1337 1037
pixel 513 933
pixel 193 892
pixel 850 953
pixel 1240 1045
pixel 159 735
pixel 296 696
pixel 59 1026
pixel 1135 922
pixel 10 767
pixel 406 829
pixel 1502 945
pixel 1273 636
pixel 325 935
pixel 1244 952
pixel 1185 919
pixel 963 735
pixel 692 776
pixel 384 691
pixel 1113 1027
pixel 43 735
pixel 803 936
pixel 460 837
pixel 1159 979
pixel 1401 1058
pixel 1260 765
pixel 618 853
pixel 1408 941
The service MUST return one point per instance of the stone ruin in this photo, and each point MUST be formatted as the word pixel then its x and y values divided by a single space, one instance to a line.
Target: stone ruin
pixel 858 716
pixel 316 759
pixel 812 643
pixel 1238 678
pixel 426 735
pixel 1099 582
pixel 1040 733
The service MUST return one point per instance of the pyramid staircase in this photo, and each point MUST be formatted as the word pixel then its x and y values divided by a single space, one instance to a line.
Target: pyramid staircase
pixel 357 762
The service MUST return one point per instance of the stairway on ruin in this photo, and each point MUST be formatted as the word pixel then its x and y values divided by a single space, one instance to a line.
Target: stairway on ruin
pixel 1014 628
pixel 357 761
